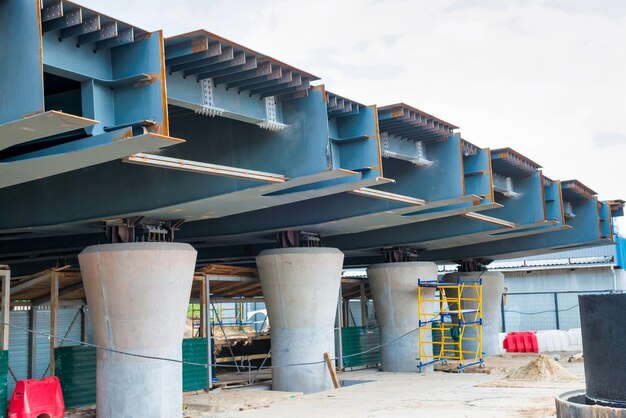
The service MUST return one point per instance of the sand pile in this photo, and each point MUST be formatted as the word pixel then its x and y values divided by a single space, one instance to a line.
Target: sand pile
pixel 542 369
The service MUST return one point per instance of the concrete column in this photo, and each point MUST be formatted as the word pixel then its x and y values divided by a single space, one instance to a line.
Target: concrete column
pixel 493 287
pixel 300 287
pixel 620 279
pixel 138 294
pixel 394 290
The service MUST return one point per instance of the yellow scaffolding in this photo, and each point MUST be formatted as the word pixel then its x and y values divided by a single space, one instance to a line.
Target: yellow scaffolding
pixel 456 314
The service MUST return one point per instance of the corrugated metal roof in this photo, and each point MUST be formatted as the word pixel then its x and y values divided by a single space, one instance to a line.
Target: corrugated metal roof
pixel 600 251
pixel 586 257
pixel 552 263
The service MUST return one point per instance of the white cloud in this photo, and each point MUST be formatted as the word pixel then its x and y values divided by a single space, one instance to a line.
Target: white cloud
pixel 545 77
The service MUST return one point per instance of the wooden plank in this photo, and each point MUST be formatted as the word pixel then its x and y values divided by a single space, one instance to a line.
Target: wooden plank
pixel 244 357
pixel 331 369
pixel 226 270
pixel 26 285
pixel 34 279
pixel 62 292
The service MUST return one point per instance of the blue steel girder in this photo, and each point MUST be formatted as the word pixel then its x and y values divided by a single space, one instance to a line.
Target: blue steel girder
pixel 227 70
pixel 82 90
pixel 584 230
pixel 418 194
pixel 81 74
pixel 79 154
pixel 353 136
pixel 522 216
pixel 30 255
pixel 300 155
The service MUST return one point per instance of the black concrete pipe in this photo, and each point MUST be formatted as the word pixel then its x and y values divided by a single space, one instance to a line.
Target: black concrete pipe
pixel 603 323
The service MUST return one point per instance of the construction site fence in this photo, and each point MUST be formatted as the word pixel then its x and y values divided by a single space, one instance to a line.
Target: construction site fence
pixel 537 311
pixel 76 369
pixel 360 340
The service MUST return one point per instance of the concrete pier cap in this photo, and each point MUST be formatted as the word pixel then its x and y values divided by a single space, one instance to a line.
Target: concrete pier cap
pixel 301 290
pixel 394 290
pixel 493 287
pixel 138 295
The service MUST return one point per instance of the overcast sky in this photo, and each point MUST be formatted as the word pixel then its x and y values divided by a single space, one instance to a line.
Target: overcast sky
pixel 545 77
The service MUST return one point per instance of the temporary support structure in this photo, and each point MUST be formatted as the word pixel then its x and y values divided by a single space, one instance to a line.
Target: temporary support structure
pixel 455 325
pixel 5 273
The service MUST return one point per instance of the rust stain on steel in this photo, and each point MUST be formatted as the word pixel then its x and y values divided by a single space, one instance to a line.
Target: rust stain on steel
pixel 599 218
pixel 32 114
pixel 462 165
pixel 148 79
pixel 491 195
pixel 199 44
pixel 128 133
pixel 153 127
pixel 397 113
pixel 380 158
pixel 561 201
pixel 543 196
pixel 42 109
pixel 166 123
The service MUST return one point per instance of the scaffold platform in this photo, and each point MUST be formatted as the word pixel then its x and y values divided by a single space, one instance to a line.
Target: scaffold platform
pixel 455 313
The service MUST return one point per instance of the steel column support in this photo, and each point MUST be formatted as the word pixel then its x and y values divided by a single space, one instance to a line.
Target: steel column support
pixel 32 343
pixel 54 306
pixel 84 321
pixel 6 306
pixel 339 323
pixel 206 308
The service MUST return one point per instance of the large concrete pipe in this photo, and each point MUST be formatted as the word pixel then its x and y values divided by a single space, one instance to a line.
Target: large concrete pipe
pixel 394 290
pixel 138 295
pixel 301 289
pixel 493 287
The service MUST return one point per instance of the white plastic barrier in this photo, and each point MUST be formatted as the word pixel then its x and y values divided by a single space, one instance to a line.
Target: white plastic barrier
pixel 575 340
pixel 501 337
pixel 555 340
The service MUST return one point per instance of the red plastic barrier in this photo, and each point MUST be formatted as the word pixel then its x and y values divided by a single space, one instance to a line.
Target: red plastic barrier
pixel 32 398
pixel 521 342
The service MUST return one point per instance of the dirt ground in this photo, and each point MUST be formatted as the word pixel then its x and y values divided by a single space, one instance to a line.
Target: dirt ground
pixel 476 393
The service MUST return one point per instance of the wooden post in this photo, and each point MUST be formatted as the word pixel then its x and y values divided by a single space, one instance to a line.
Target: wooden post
pixel 363 306
pixel 331 369
pixel 6 306
pixel 206 296
pixel 54 306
